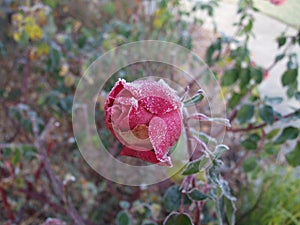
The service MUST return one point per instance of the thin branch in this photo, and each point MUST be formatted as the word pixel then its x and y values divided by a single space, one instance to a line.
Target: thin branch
pixel 6 204
pixel 262 141
pixel 199 206
pixel 255 127
pixel 27 68
pixel 188 136
pixel 287 47
pixel 55 182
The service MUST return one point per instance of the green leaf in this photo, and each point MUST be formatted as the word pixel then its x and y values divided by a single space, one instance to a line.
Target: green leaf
pixel 220 149
pixel 245 113
pixel 197 195
pixel 172 198
pixel 229 77
pixel 279 57
pixel 273 100
pixel 230 211
pixel 124 204
pixel 54 60
pixel 266 112
pixel 214 47
pixel 197 98
pixel 234 100
pixel 108 8
pixel 16 156
pixel 250 164
pixel 281 41
pixel 51 3
pixel 257 74
pixel 195 166
pixel 68 44
pixel 288 133
pixel 250 143
pixel 293 61
pixel 248 27
pixel 245 77
pixel 271 149
pixel 7 152
pixel 178 219
pixel 29 152
pixel 292 88
pixel 204 137
pixel 293 157
pixel 273 133
pixel 123 218
pixel 289 77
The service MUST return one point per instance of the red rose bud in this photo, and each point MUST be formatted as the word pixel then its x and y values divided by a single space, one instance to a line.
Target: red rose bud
pixel 146 117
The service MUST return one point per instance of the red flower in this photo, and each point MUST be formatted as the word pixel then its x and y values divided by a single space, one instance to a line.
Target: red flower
pixel 277 2
pixel 145 116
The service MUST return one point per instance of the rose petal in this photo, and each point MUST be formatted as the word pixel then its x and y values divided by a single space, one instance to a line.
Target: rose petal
pixel 119 116
pixel 145 88
pixel 130 140
pixel 147 156
pixel 119 86
pixel 156 105
pixel 139 115
pixel 164 132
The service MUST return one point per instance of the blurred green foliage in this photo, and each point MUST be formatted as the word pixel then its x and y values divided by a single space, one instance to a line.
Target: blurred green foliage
pixel 272 197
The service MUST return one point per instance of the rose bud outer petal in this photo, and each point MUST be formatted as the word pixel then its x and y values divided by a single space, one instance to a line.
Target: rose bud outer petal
pixel 144 88
pixel 147 156
pixel 164 132
pixel 119 86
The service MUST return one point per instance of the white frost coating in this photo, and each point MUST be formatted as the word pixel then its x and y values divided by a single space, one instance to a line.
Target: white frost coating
pixel 143 88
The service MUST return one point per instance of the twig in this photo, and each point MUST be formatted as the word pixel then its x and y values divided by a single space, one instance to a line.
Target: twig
pixel 55 182
pixel 188 135
pixel 199 206
pixel 41 166
pixel 6 204
pixel 287 47
pixel 182 203
pixel 27 68
pixel 234 111
pixel 262 141
pixel 42 198
pixel 252 127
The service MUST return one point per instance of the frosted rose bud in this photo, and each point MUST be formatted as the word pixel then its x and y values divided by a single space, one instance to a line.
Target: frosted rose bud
pixel 277 2
pixel 146 117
